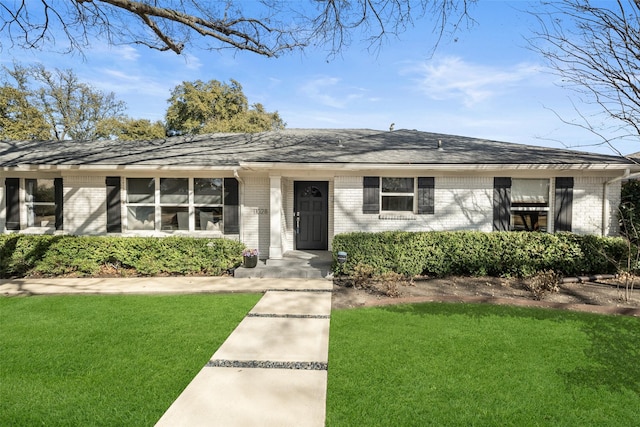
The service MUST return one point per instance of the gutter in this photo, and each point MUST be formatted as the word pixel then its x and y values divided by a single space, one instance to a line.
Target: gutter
pixel 605 201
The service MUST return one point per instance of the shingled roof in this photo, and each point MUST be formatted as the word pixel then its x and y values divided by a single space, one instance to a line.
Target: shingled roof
pixel 327 146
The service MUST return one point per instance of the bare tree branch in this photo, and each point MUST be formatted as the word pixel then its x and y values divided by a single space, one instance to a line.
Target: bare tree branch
pixel 264 27
pixel 596 52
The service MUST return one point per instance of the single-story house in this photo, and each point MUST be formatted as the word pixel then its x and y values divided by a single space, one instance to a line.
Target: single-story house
pixel 296 189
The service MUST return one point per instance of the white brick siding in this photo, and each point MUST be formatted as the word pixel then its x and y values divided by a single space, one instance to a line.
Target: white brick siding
pixel 588 205
pixel 255 224
pixel 461 203
pixel 85 205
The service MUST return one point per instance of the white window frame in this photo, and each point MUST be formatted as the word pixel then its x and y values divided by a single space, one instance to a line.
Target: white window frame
pixel 534 207
pixel 411 194
pixel 31 204
pixel 214 221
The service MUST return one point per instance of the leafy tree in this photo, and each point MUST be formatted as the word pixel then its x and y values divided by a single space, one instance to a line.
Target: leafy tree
pixel 70 108
pixel 595 50
pixel 265 27
pixel 205 107
pixel 18 119
pixel 128 129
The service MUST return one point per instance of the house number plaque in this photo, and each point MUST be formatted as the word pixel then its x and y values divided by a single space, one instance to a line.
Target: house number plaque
pixel 261 211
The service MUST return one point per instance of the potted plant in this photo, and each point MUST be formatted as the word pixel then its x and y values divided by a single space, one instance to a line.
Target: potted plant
pixel 250 258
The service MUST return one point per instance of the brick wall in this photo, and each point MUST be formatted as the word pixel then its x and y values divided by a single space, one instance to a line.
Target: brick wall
pixel 588 205
pixel 85 205
pixel 255 214
pixel 461 203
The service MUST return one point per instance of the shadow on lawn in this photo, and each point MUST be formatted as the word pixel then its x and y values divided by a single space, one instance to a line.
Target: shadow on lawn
pixel 613 353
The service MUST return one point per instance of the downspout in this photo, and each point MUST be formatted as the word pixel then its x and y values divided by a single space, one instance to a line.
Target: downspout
pixel 241 181
pixel 605 201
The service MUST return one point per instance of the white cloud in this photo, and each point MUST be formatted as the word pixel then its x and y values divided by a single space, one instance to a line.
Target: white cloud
pixel 127 53
pixel 451 78
pixel 321 90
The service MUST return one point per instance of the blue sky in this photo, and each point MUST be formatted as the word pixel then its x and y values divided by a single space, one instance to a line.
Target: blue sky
pixel 483 83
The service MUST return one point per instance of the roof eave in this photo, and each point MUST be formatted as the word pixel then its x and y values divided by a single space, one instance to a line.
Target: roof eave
pixel 441 167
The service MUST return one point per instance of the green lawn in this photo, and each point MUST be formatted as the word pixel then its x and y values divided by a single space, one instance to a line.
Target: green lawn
pixel 122 360
pixel 482 365
pixel 106 360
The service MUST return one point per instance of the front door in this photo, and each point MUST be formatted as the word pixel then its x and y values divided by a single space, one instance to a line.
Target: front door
pixel 311 214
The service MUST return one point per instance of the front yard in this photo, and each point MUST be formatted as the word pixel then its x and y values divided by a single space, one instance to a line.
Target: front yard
pixel 122 360
pixel 483 365
pixel 106 360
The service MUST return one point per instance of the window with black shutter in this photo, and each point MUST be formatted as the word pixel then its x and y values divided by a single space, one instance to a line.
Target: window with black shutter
pixel 12 197
pixel 231 213
pixel 371 195
pixel 501 204
pixel 426 195
pixel 563 204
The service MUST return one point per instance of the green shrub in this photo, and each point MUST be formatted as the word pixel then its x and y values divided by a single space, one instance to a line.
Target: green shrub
pixel 477 253
pixel 81 256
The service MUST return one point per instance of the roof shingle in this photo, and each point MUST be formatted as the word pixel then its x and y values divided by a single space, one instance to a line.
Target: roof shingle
pixel 359 146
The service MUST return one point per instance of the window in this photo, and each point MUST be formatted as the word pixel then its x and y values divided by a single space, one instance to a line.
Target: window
pixel 40 202
pixel 397 194
pixel 415 195
pixel 169 207
pixel 529 204
pixel 174 203
pixel 141 203
pixel 207 199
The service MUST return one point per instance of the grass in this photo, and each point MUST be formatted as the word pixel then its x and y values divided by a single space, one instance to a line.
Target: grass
pixel 122 360
pixel 106 360
pixel 482 365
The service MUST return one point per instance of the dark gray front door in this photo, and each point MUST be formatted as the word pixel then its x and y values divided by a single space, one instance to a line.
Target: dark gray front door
pixel 311 214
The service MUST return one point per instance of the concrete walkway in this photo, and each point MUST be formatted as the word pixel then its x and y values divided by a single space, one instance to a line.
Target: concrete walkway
pixel 154 285
pixel 271 371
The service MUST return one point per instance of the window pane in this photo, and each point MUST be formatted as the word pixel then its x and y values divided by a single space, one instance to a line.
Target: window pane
pixel 397 185
pixel 140 217
pixel 140 190
pixel 397 203
pixel 207 191
pixel 209 219
pixel 530 191
pixel 41 216
pixel 529 221
pixel 175 218
pixel 174 190
pixel 40 190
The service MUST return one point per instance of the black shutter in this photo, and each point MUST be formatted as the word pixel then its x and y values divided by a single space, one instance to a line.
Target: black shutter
pixel 426 200
pixel 501 204
pixel 114 213
pixel 12 186
pixel 371 195
pixel 59 199
pixel 563 204
pixel 231 214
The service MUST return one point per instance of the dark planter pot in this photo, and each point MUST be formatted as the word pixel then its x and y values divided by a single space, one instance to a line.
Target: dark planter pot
pixel 250 261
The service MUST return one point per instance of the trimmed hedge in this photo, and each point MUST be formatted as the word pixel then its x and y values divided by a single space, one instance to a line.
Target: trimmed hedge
pixel 82 256
pixel 469 253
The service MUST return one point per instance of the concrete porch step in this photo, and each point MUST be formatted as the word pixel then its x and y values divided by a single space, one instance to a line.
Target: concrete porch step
pixel 294 264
